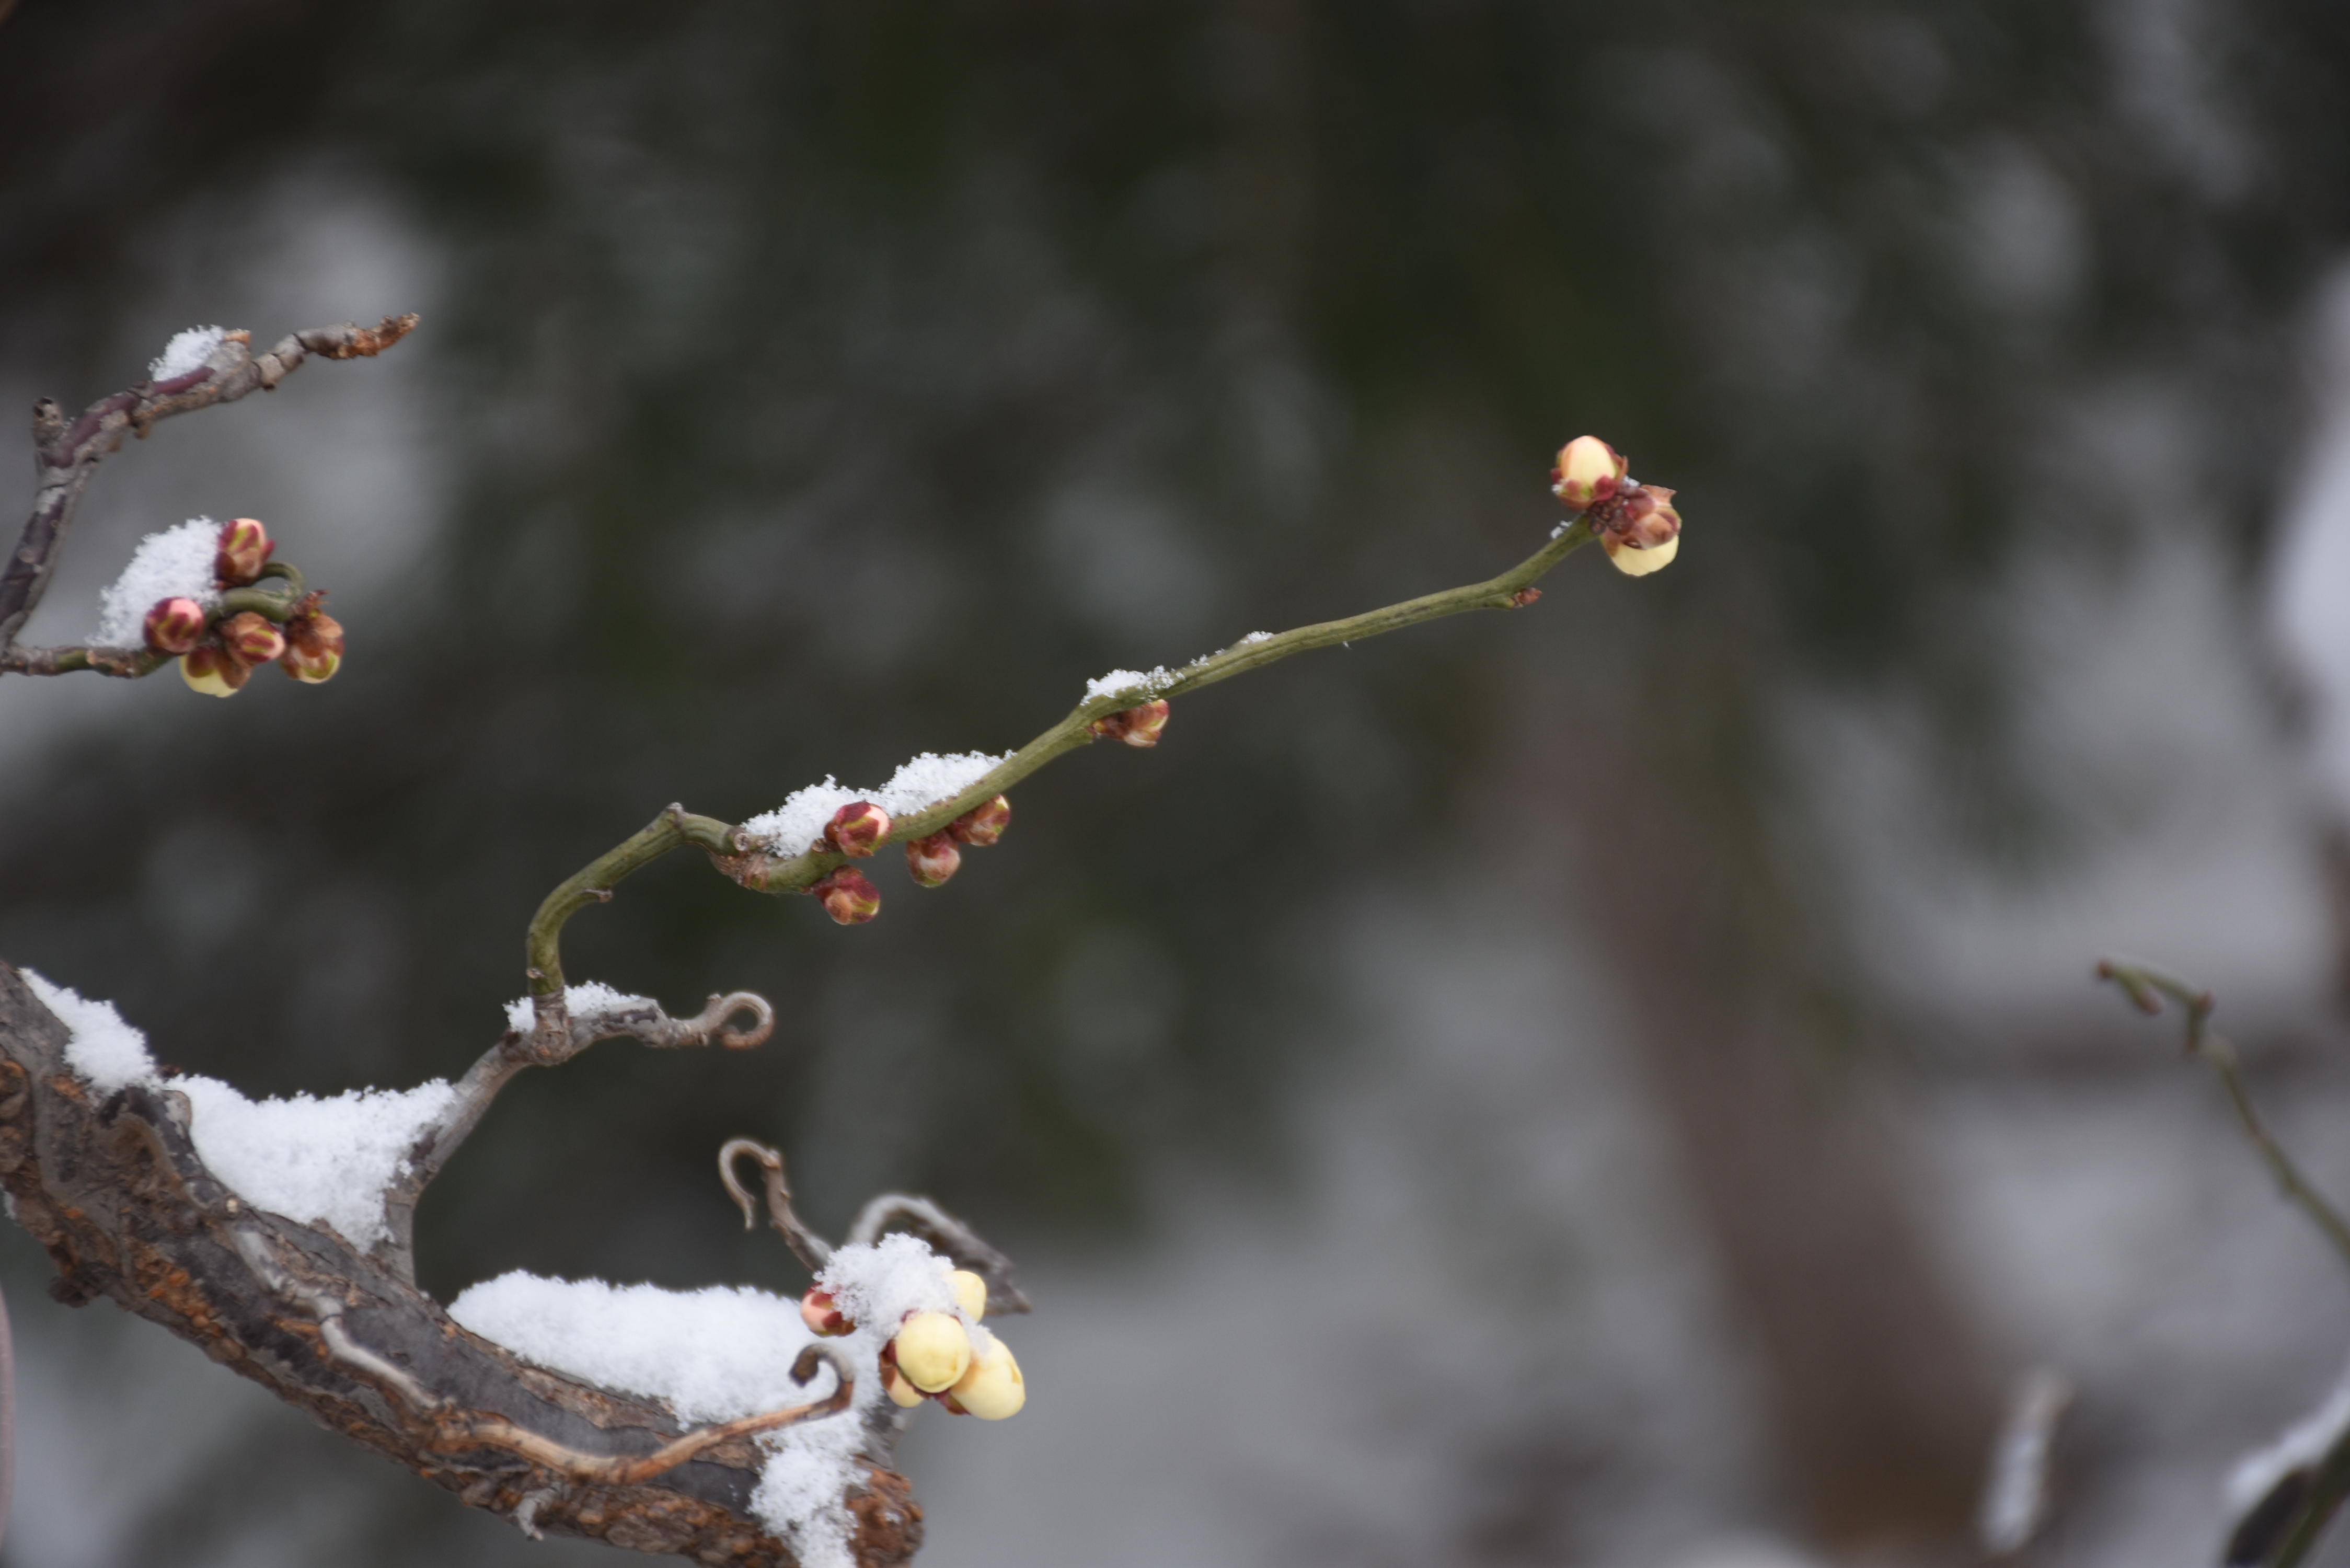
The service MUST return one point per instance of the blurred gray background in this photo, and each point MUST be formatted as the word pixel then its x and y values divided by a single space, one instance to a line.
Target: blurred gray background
pixel 1618 1084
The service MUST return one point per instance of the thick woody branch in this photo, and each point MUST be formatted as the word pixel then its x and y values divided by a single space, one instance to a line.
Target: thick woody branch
pixel 114 1189
pixel 68 451
pixel 759 869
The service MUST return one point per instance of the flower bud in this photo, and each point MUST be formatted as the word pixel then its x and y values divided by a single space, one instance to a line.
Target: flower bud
pixel 1640 528
pixel 933 859
pixel 969 1293
pixel 984 824
pixel 213 672
pixel 902 1394
pixel 175 625
pixel 932 1350
pixel 849 898
pixel 1134 726
pixel 244 549
pixel 822 1316
pixel 857 829
pixel 1588 471
pixel 990 1387
pixel 314 647
pixel 251 637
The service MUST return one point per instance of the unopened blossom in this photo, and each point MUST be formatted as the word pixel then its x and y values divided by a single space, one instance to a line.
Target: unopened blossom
pixel 931 861
pixel 969 1293
pixel 991 1386
pixel 847 897
pixel 984 824
pixel 857 829
pixel 1639 527
pixel 214 671
pixel 822 1315
pixel 314 647
pixel 245 548
pixel 251 637
pixel 1588 471
pixel 1135 726
pixel 174 626
pixel 932 1349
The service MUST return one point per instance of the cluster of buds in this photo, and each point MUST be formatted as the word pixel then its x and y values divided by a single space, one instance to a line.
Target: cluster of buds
pixel 1636 523
pixel 936 1356
pixel 217 658
pixel 1134 726
pixel 859 828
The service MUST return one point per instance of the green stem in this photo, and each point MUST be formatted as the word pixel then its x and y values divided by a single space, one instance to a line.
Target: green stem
pixel 674 827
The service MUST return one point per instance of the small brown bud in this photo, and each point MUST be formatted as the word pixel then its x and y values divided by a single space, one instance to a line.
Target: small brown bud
pixel 1134 726
pixel 1588 471
pixel 984 824
pixel 857 829
pixel 847 897
pixel 245 548
pixel 1524 596
pixel 933 859
pixel 251 636
pixel 175 625
pixel 214 671
pixel 314 647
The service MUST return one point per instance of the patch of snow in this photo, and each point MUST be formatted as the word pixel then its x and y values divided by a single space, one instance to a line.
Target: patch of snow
pixel 1119 681
pixel 588 996
pixel 186 351
pixel 321 1162
pixel 726 1352
pixel 2301 1445
pixel 175 564
pixel 798 824
pixel 1253 637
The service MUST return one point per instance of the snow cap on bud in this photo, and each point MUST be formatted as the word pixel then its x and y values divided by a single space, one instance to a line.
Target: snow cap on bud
pixel 314 647
pixel 849 898
pixel 175 625
pixel 969 1293
pixel 857 829
pixel 984 824
pixel 244 549
pixel 251 638
pixel 1134 726
pixel 990 1387
pixel 933 1350
pixel 1588 471
pixel 933 859
pixel 823 1315
pixel 213 672
pixel 902 1394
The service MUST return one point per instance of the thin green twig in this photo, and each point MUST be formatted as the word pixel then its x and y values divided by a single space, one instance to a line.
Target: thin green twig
pixel 675 828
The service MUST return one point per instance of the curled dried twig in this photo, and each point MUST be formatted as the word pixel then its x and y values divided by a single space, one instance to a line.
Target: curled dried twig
pixel 806 1246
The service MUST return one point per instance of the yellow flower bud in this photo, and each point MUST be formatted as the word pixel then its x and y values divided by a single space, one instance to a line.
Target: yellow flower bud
pixel 992 1388
pixel 1588 471
pixel 932 1350
pixel 902 1394
pixel 969 1293
pixel 212 671
pixel 1637 563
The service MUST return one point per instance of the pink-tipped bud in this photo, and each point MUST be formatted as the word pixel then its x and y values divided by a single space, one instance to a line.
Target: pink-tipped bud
pixel 1134 726
pixel 849 898
pixel 314 647
pixel 214 671
pixel 933 859
pixel 175 625
pixel 244 549
pixel 823 1317
pixel 251 636
pixel 984 824
pixel 857 829
pixel 1588 471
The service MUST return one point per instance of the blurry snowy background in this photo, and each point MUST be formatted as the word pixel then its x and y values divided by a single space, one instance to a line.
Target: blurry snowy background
pixel 1615 1085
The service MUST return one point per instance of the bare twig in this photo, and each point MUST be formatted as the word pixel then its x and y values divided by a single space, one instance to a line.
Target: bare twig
pixel 68 451
pixel 806 1246
pixel 2144 986
pixel 775 869
pixel 947 1235
pixel 2285 1527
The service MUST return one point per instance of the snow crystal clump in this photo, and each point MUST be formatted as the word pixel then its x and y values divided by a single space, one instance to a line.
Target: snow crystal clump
pixel 589 996
pixel 176 564
pixel 726 1352
pixel 798 824
pixel 321 1162
pixel 1121 682
pixel 2256 1474
pixel 186 351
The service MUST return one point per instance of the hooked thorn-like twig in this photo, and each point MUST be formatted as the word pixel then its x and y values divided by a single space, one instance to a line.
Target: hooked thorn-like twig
pixel 806 1246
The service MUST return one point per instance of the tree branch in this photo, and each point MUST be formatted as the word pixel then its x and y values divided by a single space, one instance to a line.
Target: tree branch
pixel 67 452
pixel 757 866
